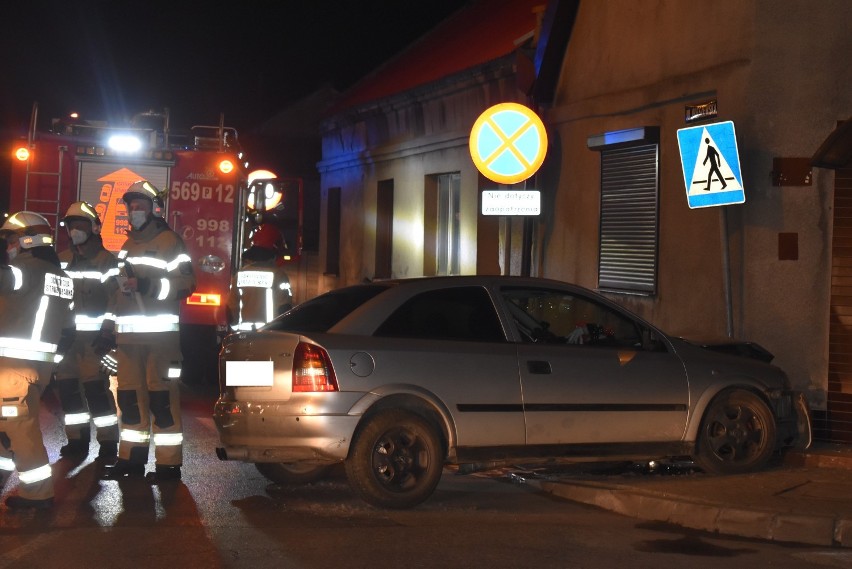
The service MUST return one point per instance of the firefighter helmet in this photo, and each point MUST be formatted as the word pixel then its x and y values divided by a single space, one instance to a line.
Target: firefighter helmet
pixel 32 229
pixel 268 237
pixel 83 210
pixel 147 190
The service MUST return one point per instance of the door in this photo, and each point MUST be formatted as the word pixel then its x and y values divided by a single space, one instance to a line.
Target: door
pixel 586 377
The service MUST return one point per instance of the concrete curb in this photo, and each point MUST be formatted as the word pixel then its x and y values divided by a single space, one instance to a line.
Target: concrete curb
pixel 706 516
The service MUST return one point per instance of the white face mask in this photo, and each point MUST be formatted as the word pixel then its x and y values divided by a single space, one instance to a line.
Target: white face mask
pixel 138 218
pixel 78 237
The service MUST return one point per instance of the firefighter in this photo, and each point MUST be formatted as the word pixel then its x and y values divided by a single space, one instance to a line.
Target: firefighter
pixel 155 274
pixel 260 291
pixel 36 328
pixel 81 380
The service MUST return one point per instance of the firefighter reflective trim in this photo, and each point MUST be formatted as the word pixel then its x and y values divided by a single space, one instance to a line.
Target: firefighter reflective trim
pixel 7 464
pixel 287 287
pixel 88 323
pixel 141 323
pixel 113 272
pixel 168 439
pixel 174 370
pixel 28 350
pixel 106 421
pixel 178 261
pixel 167 266
pixel 19 277
pixel 255 279
pixel 90 275
pixel 39 317
pixel 133 436
pixel 122 254
pixel 55 285
pixel 270 314
pixel 165 286
pixel 35 475
pixel 249 326
pixel 77 418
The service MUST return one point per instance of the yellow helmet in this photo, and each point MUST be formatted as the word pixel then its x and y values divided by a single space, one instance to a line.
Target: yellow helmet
pixel 147 190
pixel 84 210
pixel 32 229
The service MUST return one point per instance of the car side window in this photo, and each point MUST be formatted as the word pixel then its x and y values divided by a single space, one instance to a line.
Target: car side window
pixel 558 317
pixel 461 313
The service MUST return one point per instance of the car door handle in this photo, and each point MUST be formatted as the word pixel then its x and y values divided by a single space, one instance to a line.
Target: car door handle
pixel 539 367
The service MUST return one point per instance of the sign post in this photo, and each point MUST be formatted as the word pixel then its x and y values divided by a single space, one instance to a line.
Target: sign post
pixel 711 173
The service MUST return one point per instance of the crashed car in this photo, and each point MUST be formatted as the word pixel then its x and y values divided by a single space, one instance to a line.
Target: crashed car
pixel 396 379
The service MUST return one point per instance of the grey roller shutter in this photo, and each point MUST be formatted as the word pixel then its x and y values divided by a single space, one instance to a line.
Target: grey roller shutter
pixel 629 215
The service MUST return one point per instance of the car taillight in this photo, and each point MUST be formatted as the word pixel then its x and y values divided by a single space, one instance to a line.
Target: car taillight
pixel 312 369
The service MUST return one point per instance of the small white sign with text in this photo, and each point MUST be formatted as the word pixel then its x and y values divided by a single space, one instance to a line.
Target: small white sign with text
pixel 511 202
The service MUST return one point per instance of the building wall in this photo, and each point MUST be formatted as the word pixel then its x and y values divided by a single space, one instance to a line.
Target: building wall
pixel 406 138
pixel 773 68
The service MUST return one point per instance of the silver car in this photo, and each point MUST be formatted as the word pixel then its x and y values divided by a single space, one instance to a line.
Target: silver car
pixel 396 379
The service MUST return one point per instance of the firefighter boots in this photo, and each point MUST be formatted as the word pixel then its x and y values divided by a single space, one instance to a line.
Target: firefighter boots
pixel 163 474
pixel 19 503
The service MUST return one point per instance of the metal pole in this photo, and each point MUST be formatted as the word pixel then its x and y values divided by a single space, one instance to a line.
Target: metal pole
pixel 726 271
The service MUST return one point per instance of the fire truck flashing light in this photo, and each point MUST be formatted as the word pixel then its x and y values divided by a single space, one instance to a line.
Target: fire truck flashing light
pixel 22 153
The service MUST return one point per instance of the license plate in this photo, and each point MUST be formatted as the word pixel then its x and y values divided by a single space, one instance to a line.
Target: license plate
pixel 248 374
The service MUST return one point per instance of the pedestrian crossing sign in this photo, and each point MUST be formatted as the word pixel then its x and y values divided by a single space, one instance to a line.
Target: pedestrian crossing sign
pixel 711 165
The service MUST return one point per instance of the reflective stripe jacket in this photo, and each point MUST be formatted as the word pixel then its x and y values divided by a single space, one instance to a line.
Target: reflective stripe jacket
pixel 157 258
pixel 35 304
pixel 93 269
pixel 260 291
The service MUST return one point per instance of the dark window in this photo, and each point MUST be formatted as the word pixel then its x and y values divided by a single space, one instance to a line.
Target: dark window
pixel 463 313
pixel 332 232
pixel 321 313
pixel 384 229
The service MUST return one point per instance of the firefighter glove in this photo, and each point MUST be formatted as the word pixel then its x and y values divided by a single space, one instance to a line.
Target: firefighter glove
pixel 104 342
pixel 109 364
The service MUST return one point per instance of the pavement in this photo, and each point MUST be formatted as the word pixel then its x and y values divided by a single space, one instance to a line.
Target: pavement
pixel 806 498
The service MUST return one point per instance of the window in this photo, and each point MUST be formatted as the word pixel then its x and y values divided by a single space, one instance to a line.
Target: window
pixel 322 312
pixel 384 229
pixel 558 317
pixel 441 224
pixel 627 260
pixel 463 313
pixel 332 233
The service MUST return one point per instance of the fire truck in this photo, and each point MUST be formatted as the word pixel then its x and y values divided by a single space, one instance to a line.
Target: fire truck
pixel 211 200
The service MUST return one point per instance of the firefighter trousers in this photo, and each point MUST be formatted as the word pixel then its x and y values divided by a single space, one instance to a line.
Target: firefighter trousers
pixel 21 442
pixel 84 393
pixel 149 400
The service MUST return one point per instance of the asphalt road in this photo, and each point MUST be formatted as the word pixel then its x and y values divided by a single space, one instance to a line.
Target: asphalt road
pixel 225 514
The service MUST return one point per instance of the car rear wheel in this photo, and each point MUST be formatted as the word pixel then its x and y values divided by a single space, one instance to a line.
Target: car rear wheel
pixel 737 434
pixel 395 461
pixel 291 472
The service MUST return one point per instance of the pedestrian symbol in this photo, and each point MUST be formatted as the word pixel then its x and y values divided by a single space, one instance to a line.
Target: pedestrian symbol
pixel 508 143
pixel 711 165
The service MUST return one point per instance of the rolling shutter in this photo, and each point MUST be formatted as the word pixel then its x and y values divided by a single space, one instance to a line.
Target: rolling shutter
pixel 628 224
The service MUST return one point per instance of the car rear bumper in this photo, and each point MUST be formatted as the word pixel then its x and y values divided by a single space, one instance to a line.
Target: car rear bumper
pixel 268 432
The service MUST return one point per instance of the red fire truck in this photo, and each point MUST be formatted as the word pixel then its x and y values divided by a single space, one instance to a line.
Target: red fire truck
pixel 204 174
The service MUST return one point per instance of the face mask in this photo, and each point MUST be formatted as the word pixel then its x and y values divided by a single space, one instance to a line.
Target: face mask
pixel 78 237
pixel 138 219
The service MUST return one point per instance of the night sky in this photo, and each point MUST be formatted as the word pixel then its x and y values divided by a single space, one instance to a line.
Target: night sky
pixel 110 59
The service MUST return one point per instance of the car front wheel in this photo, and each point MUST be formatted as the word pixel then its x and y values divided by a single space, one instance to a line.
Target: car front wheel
pixel 395 461
pixel 737 434
pixel 291 473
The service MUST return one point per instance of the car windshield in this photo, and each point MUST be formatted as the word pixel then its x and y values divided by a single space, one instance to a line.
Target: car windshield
pixel 321 313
